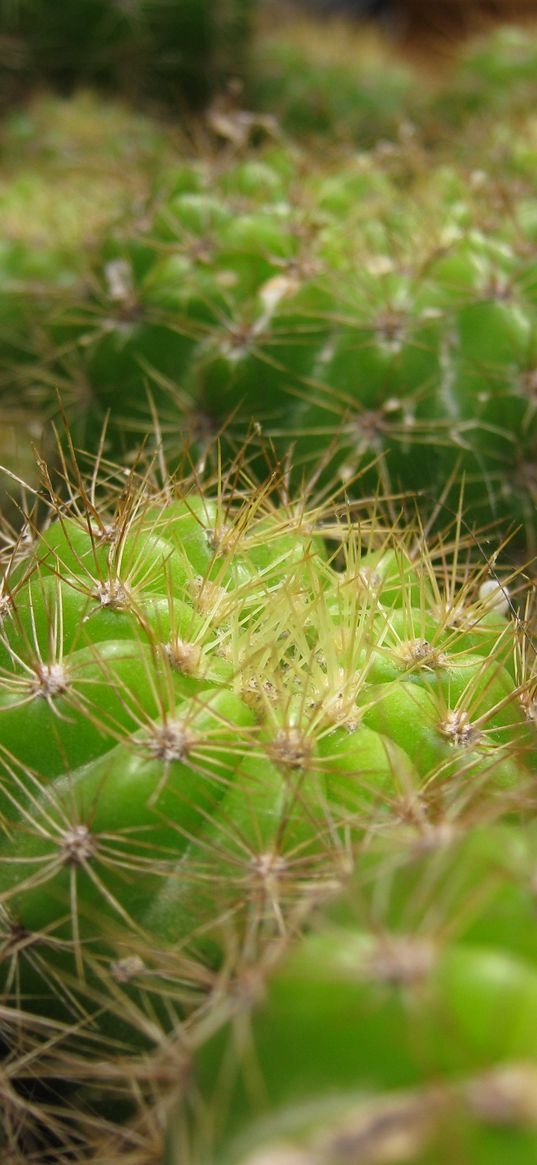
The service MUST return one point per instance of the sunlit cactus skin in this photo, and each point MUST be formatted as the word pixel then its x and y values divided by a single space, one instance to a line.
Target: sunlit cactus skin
pixel 174 51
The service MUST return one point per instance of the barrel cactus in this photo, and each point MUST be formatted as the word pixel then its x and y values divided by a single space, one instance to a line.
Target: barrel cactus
pixel 367 334
pixel 335 308
pixel 267 742
pixel 334 79
pixel 206 700
pixel 400 1028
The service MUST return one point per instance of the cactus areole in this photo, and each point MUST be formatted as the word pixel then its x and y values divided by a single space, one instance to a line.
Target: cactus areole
pixel 201 691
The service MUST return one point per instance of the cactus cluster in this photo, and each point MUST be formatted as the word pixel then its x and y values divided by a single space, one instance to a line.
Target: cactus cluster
pixel 333 306
pixel 268 685
pixel 338 82
pixel 207 702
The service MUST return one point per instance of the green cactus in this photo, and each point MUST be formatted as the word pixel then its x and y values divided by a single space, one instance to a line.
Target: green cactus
pixel 373 312
pixel 330 79
pixel 401 1028
pixel 71 170
pixel 205 700
pixel 321 78
pixel 267 751
pixel 169 50
pixel 370 336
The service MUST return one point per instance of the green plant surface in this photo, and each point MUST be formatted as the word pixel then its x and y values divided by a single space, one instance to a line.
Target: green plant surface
pixel 267 752
pixel 365 311
pixel 207 701
pixel 324 78
pixel 70 169
pixel 333 79
pixel 399 1028
pixel 338 314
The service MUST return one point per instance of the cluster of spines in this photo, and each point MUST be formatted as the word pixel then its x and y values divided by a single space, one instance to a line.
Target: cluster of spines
pixel 312 316
pixel 399 1026
pixel 127 931
pixel 305 658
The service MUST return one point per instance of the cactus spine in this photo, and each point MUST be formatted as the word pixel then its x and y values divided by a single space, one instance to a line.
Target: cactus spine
pixel 267 747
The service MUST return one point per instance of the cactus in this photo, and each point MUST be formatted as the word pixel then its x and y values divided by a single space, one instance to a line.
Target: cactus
pixel 331 305
pixel 204 699
pixel 323 78
pixel 256 730
pixel 368 335
pixel 170 50
pixel 400 1028
pixel 71 170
